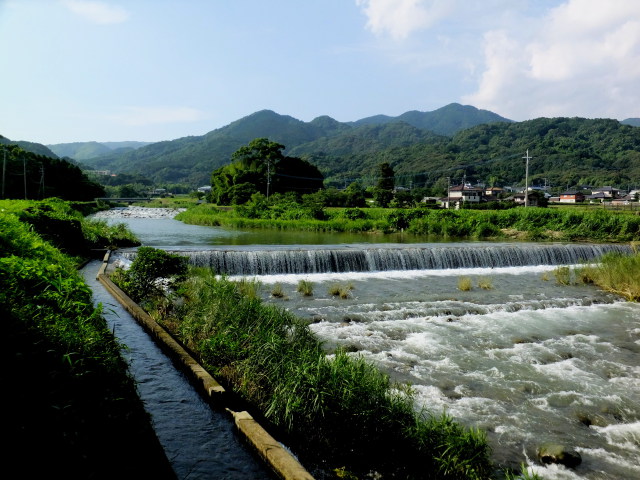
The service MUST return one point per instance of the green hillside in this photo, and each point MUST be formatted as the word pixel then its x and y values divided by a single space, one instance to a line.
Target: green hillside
pixel 481 146
pixel 565 151
pixel 191 159
pixel 32 147
pixel 444 121
pixel 86 150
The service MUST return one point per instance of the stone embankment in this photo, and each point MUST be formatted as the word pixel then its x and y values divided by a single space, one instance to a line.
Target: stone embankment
pixel 282 462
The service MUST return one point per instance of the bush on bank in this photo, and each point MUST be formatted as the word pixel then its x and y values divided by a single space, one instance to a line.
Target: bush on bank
pixel 73 410
pixel 336 411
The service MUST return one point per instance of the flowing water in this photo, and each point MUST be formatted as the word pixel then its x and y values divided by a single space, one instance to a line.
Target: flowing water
pixel 513 352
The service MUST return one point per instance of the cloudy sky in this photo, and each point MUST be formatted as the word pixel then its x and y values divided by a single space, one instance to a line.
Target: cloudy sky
pixel 150 70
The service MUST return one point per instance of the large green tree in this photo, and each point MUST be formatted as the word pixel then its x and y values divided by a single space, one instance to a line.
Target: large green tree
pixel 261 167
pixel 383 193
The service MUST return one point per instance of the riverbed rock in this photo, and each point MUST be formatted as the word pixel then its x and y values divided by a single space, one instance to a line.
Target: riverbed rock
pixel 555 453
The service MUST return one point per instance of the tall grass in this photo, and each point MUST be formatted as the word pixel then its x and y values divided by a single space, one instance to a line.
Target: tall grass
pixel 616 273
pixel 305 287
pixel 337 410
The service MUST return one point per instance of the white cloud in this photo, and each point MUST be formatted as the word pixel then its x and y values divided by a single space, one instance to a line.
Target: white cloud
pixel 97 11
pixel 583 59
pixel 400 18
pixel 143 116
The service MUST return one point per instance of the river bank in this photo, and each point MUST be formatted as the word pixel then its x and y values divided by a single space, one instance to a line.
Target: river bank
pixel 74 409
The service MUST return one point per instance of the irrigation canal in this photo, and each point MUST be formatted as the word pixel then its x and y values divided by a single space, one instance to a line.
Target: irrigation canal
pixel 200 442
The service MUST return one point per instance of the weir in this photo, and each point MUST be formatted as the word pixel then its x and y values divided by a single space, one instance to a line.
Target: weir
pixel 263 260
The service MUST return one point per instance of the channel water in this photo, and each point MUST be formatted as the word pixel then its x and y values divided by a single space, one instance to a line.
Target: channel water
pixel 482 331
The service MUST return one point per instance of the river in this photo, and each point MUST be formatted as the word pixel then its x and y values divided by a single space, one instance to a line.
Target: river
pixel 514 352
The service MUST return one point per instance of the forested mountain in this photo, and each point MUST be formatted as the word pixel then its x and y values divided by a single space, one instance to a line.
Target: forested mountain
pixel 634 122
pixel 566 152
pixel 86 150
pixel 482 147
pixel 32 147
pixel 191 159
pixel 444 121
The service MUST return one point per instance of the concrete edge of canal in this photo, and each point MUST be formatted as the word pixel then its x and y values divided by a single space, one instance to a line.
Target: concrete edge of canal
pixel 281 461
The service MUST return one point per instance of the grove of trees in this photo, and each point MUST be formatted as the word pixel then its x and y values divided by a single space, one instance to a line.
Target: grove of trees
pixel 261 167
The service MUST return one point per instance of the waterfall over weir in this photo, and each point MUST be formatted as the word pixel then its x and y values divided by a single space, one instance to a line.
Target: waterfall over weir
pixel 263 260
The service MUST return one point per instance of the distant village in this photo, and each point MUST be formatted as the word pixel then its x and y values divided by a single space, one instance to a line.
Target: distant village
pixel 466 193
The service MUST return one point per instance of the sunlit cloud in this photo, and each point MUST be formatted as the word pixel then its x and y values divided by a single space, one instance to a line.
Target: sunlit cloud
pixel 143 116
pixel 585 57
pixel 400 18
pixel 97 11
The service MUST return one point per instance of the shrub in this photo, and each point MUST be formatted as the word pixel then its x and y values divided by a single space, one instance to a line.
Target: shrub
pixel 150 265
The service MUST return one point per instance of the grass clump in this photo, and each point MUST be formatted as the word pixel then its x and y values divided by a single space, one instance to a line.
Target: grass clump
pixel 324 405
pixel 305 287
pixel 465 284
pixel 485 283
pixel 341 290
pixel 277 291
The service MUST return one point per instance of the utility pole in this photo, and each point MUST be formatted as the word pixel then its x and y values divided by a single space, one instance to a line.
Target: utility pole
pixel 24 169
pixel 42 181
pixel 268 176
pixel 526 180
pixel 4 169
pixel 448 192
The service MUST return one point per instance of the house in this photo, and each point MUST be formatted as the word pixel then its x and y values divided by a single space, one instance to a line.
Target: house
pixel 518 198
pixel 205 189
pixel 608 192
pixel 493 192
pixel 465 194
pixel 571 196
pixel 596 197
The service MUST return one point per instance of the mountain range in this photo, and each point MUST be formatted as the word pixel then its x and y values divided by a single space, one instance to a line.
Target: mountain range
pixel 453 141
pixel 192 159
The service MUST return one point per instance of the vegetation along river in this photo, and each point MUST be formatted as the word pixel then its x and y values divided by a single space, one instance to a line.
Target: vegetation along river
pixel 501 346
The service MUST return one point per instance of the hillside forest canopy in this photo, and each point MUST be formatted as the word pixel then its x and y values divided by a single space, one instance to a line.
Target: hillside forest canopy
pixel 27 175
pixel 566 152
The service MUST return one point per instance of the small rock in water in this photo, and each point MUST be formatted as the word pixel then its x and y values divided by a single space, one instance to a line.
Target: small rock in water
pixel 554 453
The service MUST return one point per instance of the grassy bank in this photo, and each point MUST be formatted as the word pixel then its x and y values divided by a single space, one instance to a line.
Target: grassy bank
pixel 619 274
pixel 527 224
pixel 64 225
pixel 73 410
pixel 341 416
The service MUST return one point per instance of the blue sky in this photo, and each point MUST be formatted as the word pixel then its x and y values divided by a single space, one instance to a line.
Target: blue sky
pixel 152 70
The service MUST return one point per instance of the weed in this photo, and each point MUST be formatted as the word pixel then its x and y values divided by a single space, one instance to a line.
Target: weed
pixel 485 283
pixel 277 291
pixel 465 284
pixel 341 290
pixel 305 287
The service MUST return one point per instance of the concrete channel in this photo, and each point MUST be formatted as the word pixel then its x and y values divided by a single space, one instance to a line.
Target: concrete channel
pixel 275 455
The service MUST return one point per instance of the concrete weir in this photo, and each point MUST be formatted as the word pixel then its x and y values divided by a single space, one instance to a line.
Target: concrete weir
pixel 280 460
